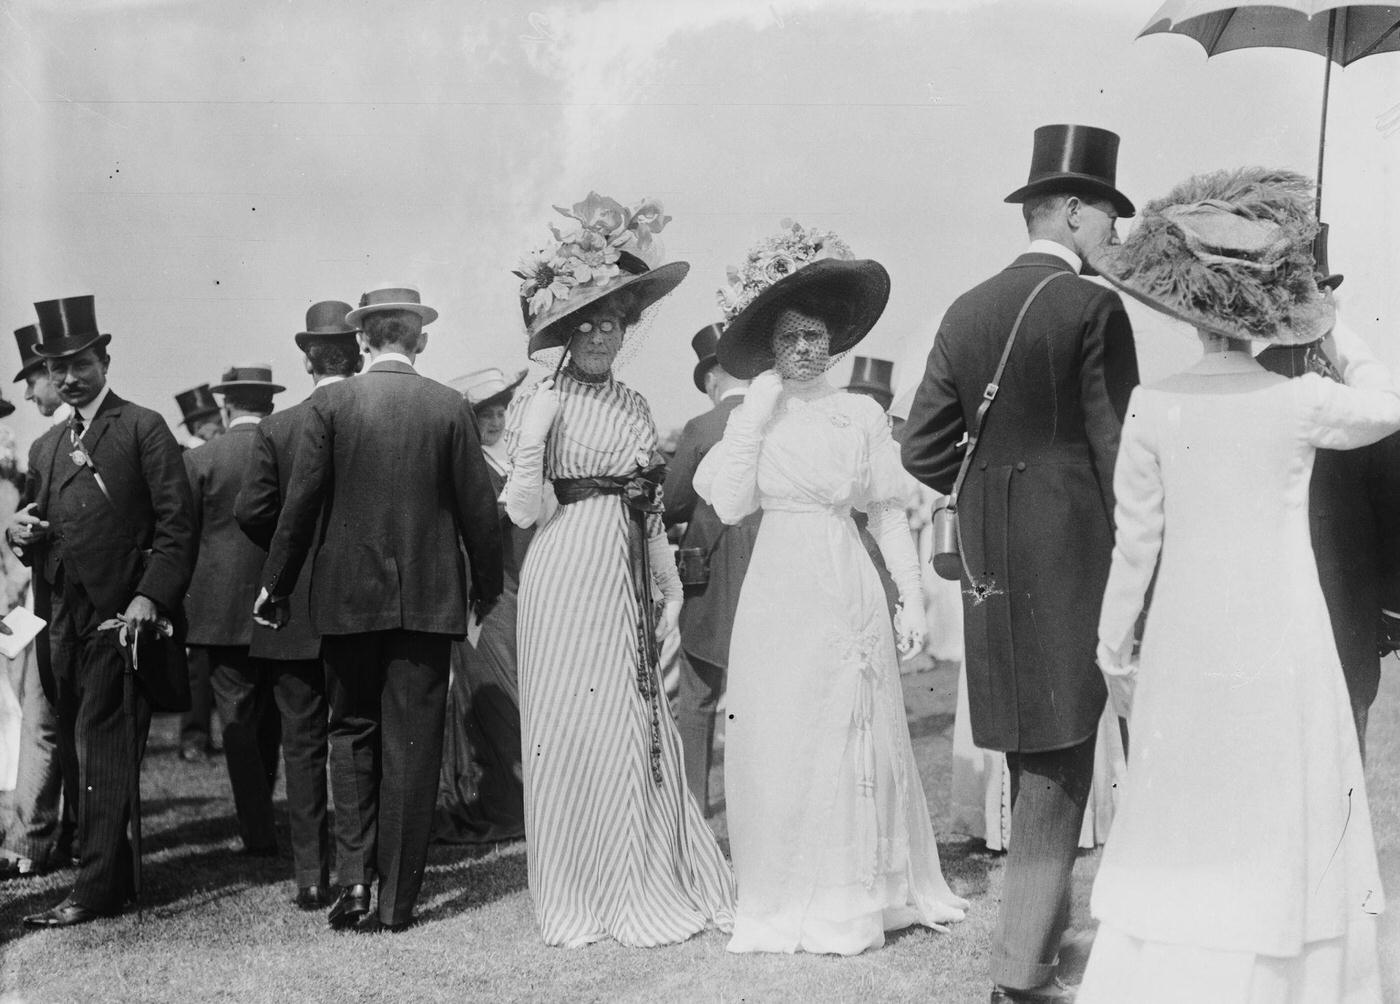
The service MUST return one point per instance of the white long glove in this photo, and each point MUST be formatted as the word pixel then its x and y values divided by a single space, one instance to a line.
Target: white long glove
pixel 523 494
pixel 1120 674
pixel 761 398
pixel 890 527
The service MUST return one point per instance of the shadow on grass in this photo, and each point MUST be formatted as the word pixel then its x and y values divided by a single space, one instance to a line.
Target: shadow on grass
pixel 967 866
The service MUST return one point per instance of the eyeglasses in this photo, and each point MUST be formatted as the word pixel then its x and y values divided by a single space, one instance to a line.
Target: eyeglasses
pixel 607 326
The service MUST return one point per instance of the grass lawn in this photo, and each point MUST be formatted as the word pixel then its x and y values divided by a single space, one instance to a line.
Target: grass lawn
pixel 220 927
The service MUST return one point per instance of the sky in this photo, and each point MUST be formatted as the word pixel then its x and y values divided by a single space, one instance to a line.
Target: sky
pixel 209 169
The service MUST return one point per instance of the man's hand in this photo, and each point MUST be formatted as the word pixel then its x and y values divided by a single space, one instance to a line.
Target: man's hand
pixel 141 615
pixel 480 608
pixel 25 529
pixel 271 611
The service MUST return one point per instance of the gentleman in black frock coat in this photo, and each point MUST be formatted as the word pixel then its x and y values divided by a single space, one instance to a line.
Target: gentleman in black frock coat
pixel 291 656
pixel 108 525
pixel 390 467
pixel 707 614
pixel 1037 523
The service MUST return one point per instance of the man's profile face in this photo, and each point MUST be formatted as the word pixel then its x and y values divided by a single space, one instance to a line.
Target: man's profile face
pixel 42 391
pixel 79 378
pixel 1097 224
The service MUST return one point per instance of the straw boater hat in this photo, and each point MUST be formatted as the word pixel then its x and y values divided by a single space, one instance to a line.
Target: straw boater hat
pixel 326 319
pixel 1074 160
pixel 605 249
pixel 68 326
pixel 1230 253
pixel 26 338
pixel 704 344
pixel 402 297
pixel 796 261
pixel 248 376
pixel 487 387
pixel 196 403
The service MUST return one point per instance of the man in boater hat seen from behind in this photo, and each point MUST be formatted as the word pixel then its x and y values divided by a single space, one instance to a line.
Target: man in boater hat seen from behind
pixel 108 524
pixel 389 467
pixel 1036 511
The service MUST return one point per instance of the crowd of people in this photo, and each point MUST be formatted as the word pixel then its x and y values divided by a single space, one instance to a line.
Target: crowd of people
pixel 459 602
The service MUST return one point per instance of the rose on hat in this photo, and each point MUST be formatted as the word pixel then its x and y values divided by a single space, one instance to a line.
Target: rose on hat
pixel 401 297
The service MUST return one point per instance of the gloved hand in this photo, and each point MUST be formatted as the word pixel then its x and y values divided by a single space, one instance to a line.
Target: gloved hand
pixel 762 396
pixel 1121 678
pixel 670 615
pixel 910 628
pixel 539 414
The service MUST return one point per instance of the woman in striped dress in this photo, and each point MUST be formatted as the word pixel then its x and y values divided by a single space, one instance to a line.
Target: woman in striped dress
pixel 617 846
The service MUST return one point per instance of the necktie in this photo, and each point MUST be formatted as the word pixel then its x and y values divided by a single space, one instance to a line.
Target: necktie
pixel 76 428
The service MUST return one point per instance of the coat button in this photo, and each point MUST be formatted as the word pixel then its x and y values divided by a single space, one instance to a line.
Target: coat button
pixel 982 465
pixel 1021 466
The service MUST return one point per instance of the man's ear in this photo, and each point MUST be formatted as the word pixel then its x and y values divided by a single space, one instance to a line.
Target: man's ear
pixel 359 363
pixel 422 342
pixel 306 365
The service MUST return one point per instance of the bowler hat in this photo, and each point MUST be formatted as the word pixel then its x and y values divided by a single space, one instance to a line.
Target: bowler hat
pixel 326 319
pixel 1074 159
pixel 391 298
pixel 196 403
pixel 68 326
pixel 705 342
pixel 250 376
pixel 874 377
pixel 26 338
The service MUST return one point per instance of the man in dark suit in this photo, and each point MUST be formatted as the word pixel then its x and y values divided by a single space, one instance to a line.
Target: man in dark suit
pixel 394 460
pixel 1354 511
pixel 1036 511
pixel 707 615
pixel 109 527
pixel 219 601
pixel 291 657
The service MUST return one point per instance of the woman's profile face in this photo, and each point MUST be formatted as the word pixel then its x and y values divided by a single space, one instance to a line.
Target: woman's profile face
pixel 596 340
pixel 801 346
pixel 491 421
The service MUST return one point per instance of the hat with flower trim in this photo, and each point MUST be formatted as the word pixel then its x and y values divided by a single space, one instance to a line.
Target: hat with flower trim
pixel 797 262
pixel 604 249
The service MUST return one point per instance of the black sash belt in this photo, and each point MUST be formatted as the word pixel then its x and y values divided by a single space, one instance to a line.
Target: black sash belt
pixel 640 493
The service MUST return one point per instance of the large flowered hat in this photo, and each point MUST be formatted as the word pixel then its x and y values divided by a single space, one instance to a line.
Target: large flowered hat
pixel 797 262
pixel 1229 252
pixel 603 249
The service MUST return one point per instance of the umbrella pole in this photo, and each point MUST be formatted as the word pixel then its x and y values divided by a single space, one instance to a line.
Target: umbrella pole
pixel 134 792
pixel 1326 86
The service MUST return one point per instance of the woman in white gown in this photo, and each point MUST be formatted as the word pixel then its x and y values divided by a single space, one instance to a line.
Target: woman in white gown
pixel 1241 867
pixel 829 831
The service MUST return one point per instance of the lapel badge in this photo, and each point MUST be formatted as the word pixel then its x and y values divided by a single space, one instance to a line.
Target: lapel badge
pixel 79 457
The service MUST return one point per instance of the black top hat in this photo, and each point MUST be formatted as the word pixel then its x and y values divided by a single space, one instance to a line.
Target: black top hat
pixel 196 403
pixel 1074 159
pixel 874 377
pixel 705 342
pixel 67 326
pixel 325 320
pixel 252 376
pixel 1325 279
pixel 26 338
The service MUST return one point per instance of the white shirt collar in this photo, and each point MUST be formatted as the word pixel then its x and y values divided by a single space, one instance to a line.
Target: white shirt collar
pixel 393 357
pixel 89 410
pixel 326 381
pixel 1042 246
pixel 733 392
pixel 245 420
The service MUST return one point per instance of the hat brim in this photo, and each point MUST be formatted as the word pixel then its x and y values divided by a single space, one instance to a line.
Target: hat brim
pixel 501 396
pixel 745 346
pixel 305 339
pixel 1075 184
pixel 862 387
pixel 1312 321
pixel 1330 281
pixel 649 287
pixel 7 407
pixel 703 367
pixel 62 348
pixel 223 388
pixel 428 314
pixel 28 368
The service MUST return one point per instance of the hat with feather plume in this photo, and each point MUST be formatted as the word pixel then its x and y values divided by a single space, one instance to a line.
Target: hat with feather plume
pixel 1229 252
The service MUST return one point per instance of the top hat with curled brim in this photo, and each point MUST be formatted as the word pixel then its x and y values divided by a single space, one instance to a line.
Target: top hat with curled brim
pixel 196 403
pixel 26 338
pixel 391 298
pixel 1075 160
pixel 326 319
pixel 874 377
pixel 248 376
pixel 704 343
pixel 68 326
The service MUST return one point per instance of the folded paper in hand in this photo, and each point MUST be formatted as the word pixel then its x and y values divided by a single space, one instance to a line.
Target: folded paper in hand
pixel 24 628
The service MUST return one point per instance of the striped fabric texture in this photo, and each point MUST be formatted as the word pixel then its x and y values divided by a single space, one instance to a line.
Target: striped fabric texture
pixel 611 853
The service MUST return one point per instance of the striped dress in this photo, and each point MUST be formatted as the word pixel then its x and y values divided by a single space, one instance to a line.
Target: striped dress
pixel 611 852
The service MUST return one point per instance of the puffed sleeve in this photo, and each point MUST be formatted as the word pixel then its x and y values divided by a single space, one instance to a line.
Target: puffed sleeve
pixel 728 476
pixel 523 492
pixel 1339 417
pixel 1138 519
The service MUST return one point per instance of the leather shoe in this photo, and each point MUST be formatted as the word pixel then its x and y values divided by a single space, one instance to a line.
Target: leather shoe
pixel 66 914
pixel 373 925
pixel 311 897
pixel 349 907
pixel 1054 992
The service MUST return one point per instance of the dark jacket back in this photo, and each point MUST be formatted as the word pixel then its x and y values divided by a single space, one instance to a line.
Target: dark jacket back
pixel 396 461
